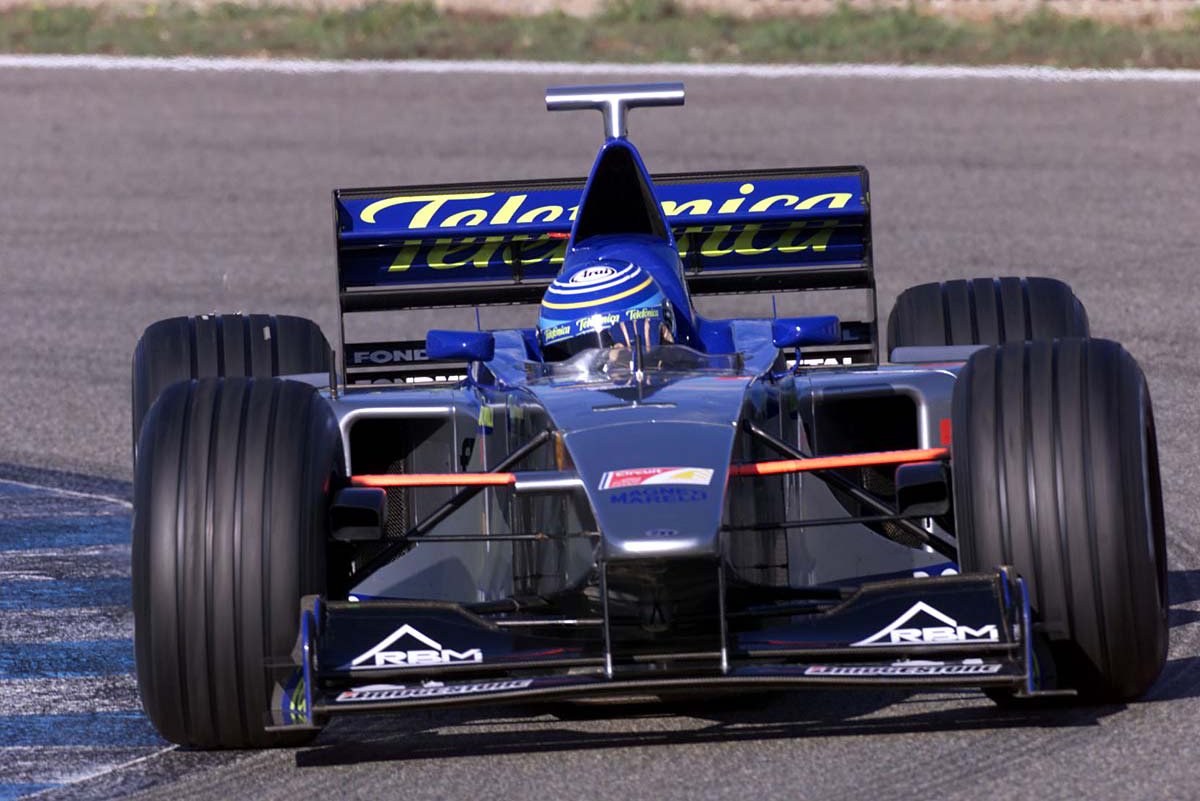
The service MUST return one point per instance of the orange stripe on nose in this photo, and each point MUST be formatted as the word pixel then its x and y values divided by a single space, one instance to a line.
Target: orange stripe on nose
pixel 752 469
pixel 835 462
pixel 434 480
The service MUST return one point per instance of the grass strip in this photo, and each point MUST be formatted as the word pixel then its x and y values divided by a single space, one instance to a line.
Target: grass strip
pixel 628 31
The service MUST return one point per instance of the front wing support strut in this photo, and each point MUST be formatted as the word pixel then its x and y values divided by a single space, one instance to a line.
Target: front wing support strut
pixel 385 557
pixel 858 493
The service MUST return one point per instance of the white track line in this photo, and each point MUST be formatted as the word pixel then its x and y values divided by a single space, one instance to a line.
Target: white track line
pixel 72 493
pixel 107 769
pixel 104 771
pixel 313 67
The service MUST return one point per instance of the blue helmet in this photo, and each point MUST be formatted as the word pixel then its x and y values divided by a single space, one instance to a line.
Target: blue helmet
pixel 603 303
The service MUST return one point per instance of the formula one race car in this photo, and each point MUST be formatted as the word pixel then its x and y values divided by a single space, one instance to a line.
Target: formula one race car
pixel 634 498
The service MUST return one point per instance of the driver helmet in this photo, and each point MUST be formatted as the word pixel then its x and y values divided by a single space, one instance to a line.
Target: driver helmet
pixel 603 303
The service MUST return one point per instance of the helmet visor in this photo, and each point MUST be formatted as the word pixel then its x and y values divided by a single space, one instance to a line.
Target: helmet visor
pixel 646 324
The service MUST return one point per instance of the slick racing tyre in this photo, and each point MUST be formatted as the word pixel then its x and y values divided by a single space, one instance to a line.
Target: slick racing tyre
pixel 985 311
pixel 219 346
pixel 229 532
pixel 1055 469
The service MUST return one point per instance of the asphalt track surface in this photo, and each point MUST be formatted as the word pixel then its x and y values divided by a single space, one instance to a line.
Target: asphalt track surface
pixel 131 196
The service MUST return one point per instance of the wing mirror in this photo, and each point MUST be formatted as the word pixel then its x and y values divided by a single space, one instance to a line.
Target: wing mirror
pixel 795 332
pixel 922 489
pixel 478 346
pixel 358 513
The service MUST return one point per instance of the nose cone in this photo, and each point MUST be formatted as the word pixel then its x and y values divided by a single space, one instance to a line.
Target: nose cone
pixel 657 488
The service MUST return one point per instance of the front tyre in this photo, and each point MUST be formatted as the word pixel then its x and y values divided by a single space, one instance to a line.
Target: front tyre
pixel 1056 472
pixel 229 532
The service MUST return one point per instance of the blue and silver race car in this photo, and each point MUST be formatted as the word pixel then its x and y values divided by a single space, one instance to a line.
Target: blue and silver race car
pixel 632 497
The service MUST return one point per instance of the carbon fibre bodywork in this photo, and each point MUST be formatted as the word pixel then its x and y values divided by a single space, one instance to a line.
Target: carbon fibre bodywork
pixel 680 420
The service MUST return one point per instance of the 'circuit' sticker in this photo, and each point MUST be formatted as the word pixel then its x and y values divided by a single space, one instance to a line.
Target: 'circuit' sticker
pixel 639 476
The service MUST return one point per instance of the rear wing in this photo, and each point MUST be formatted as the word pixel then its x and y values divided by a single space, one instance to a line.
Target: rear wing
pixel 486 244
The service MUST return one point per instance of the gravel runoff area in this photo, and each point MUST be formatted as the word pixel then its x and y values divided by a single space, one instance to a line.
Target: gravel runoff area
pixel 1137 11
pixel 1168 12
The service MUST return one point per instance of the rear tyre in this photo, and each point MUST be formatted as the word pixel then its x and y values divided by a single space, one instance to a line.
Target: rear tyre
pixel 986 311
pixel 223 345
pixel 1056 473
pixel 229 532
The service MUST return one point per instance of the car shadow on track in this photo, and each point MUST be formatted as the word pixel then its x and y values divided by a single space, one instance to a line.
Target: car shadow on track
pixel 1180 679
pixel 746 718
pixel 1183 586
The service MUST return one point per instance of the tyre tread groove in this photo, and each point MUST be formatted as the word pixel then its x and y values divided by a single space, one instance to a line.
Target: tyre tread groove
pixel 180 567
pixel 219 335
pixel 1089 511
pixel 267 521
pixel 1061 490
pixel 998 300
pixel 239 511
pixel 273 327
pixel 193 349
pixel 1026 311
pixel 247 345
pixel 999 457
pixel 1032 520
pixel 209 573
pixel 949 331
pixel 972 316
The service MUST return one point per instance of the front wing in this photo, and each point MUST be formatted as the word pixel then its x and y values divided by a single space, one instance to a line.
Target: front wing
pixel 368 656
